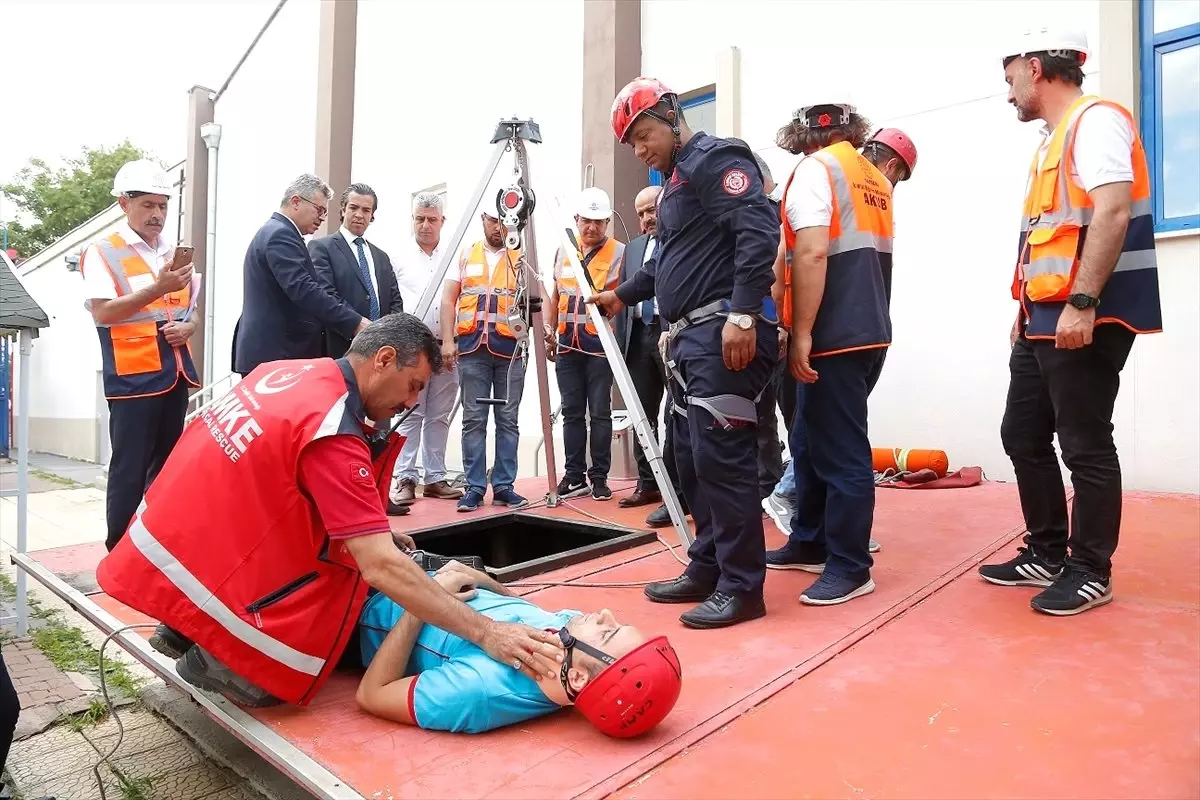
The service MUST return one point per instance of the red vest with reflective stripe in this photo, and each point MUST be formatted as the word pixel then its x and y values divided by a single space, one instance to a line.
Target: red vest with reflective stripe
pixel 854 313
pixel 1054 226
pixel 575 328
pixel 228 550
pixel 485 300
pixel 137 360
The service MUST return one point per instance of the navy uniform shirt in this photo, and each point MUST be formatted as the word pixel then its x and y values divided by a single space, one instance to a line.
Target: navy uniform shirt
pixel 717 234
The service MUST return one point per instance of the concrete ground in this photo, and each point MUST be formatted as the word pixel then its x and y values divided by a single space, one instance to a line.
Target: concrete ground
pixel 168 749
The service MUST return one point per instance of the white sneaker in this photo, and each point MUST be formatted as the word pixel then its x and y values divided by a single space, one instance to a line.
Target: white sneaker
pixel 780 510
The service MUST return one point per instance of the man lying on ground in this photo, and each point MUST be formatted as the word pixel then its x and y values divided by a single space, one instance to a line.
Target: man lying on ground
pixel 622 682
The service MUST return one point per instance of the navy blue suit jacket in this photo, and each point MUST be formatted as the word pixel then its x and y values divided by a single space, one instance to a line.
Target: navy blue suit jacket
pixel 286 306
pixel 337 263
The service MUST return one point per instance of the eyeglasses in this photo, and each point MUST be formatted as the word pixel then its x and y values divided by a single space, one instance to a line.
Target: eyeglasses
pixel 321 210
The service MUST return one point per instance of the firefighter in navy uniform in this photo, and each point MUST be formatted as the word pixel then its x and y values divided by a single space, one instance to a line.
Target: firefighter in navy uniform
pixel 711 274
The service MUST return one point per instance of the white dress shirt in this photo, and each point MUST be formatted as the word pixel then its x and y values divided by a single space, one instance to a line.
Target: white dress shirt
pixel 350 237
pixel 98 283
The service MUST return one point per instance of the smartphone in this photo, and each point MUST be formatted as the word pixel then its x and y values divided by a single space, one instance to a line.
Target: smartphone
pixel 183 257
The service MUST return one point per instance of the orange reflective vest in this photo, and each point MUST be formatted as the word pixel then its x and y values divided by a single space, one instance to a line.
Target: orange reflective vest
pixel 1054 227
pixel 854 313
pixel 137 360
pixel 485 300
pixel 250 573
pixel 575 328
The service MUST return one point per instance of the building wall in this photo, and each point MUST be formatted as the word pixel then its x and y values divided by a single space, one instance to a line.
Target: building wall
pixel 956 221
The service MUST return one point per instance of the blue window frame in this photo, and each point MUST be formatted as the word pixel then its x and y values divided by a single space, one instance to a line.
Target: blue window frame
pixel 656 177
pixel 1170 65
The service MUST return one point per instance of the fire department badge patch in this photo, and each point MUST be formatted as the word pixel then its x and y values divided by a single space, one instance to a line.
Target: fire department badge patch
pixel 735 182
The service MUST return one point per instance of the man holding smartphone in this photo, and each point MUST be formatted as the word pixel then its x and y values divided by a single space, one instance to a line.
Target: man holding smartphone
pixel 138 290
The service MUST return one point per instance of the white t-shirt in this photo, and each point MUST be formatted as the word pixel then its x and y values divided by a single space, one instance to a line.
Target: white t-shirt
pixel 98 283
pixel 810 197
pixel 414 269
pixel 1103 148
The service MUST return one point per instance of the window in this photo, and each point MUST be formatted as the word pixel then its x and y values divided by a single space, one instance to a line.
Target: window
pixel 700 111
pixel 1170 32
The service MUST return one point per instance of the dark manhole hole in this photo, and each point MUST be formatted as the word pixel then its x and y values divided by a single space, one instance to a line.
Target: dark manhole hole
pixel 518 545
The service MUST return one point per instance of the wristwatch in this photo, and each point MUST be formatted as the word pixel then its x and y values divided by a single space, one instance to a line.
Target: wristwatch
pixel 1083 301
pixel 743 321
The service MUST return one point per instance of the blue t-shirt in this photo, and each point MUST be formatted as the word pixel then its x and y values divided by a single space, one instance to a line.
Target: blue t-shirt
pixel 461 688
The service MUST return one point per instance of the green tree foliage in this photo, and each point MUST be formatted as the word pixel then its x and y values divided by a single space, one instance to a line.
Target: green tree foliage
pixel 60 200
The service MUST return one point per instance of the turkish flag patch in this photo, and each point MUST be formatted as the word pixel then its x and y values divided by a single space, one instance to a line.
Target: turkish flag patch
pixel 361 473
pixel 735 182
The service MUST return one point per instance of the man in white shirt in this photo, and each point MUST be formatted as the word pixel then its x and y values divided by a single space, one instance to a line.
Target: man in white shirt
pixel 139 300
pixel 427 428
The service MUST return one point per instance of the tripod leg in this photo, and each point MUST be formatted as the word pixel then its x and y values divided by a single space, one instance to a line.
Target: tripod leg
pixel 537 323
pixel 621 375
pixel 433 289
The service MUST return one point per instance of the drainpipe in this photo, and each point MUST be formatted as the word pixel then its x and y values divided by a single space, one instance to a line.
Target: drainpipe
pixel 210 132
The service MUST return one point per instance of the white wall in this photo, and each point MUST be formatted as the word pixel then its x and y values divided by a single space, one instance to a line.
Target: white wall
pixel 956 220
pixel 431 84
pixel 268 137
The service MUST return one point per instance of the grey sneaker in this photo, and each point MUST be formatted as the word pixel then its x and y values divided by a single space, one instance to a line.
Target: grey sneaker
pixel 780 509
pixel 201 670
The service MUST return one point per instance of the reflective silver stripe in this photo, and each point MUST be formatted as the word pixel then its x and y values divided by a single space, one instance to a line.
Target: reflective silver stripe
pixel 208 603
pixel 474 290
pixel 851 237
pixel 112 257
pixel 1132 260
pixel 1049 265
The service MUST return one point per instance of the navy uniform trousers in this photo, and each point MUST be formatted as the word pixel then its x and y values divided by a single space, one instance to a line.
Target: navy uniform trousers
pixel 718 468
pixel 835 507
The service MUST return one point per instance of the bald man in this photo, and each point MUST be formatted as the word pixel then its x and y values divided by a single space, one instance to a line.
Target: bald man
pixel 638 331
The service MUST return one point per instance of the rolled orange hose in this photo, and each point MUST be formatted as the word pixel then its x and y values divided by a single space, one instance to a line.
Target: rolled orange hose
pixel 904 460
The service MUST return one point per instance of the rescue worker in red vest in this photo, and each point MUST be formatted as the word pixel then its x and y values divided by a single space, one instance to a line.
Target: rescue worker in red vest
pixel 139 301
pixel 263 582
pixel 478 302
pixel 585 379
pixel 837 226
pixel 711 275
pixel 1086 281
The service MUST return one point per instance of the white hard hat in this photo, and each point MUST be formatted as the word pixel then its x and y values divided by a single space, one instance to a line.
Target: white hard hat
pixel 141 176
pixel 593 203
pixel 1052 39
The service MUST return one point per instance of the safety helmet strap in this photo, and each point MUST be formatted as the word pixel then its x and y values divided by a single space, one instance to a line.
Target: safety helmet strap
pixel 569 643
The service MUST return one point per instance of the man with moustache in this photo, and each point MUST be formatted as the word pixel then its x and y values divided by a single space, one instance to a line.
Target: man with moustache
pixel 137 298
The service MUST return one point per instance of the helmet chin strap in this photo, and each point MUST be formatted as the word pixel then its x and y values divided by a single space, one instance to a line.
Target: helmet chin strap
pixel 674 130
pixel 569 643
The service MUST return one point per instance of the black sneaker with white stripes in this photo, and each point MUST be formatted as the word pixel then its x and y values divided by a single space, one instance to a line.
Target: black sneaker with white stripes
pixel 570 487
pixel 1075 591
pixel 1027 569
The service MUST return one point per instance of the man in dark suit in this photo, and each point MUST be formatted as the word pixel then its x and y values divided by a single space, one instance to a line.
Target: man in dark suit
pixel 360 274
pixel 286 307
pixel 638 331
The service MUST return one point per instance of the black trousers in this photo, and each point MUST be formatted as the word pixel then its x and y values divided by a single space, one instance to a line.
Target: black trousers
pixel 649 376
pixel 719 468
pixel 1071 393
pixel 10 709
pixel 585 385
pixel 143 431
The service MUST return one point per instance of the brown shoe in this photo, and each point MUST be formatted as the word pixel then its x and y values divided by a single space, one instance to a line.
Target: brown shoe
pixel 442 490
pixel 642 497
pixel 405 493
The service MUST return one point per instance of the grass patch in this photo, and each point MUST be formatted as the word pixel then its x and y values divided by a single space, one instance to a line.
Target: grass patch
pixel 69 650
pixel 53 478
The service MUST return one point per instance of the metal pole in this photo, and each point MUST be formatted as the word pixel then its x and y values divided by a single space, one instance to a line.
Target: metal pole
pixel 451 253
pixel 210 283
pixel 533 280
pixel 621 373
pixel 23 480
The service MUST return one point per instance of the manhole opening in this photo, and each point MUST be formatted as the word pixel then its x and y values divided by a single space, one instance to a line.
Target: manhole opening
pixel 518 545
